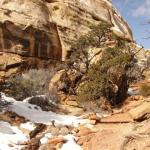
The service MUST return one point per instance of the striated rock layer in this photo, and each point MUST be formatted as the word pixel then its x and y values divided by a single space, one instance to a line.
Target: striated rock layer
pixel 46 28
pixel 25 29
pixel 74 18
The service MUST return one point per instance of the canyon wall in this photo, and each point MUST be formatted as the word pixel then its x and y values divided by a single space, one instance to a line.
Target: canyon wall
pixel 46 29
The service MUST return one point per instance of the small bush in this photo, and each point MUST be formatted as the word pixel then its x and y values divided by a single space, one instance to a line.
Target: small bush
pixel 145 90
pixel 31 83
pixel 97 37
pixel 107 78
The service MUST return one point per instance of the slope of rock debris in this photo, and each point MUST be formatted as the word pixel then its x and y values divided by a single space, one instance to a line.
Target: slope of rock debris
pixel 39 33
pixel 124 128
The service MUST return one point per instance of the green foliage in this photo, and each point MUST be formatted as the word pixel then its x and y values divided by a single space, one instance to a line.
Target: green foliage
pixel 109 78
pixel 94 38
pixel 106 77
pixel 145 90
pixel 32 83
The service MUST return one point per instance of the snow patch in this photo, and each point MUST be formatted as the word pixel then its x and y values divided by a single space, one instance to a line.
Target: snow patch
pixel 31 113
pixel 132 92
pixel 28 125
pixel 71 143
pixel 10 137
pixel 45 139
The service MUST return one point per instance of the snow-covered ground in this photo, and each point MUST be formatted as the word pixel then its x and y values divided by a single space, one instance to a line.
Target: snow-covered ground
pixel 10 137
pixel 28 126
pixel 34 113
pixel 70 144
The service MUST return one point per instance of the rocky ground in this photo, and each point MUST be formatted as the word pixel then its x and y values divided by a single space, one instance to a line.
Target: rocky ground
pixel 25 126
pixel 35 40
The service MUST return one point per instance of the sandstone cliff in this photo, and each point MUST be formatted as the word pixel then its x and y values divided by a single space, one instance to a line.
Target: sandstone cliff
pixel 46 28
pixel 74 18
pixel 25 29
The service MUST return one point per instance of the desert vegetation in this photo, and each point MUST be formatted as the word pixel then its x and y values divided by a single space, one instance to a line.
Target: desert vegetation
pixel 95 38
pixel 31 83
pixel 108 78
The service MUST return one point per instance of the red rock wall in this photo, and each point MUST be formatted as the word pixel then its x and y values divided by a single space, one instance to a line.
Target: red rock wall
pixel 30 41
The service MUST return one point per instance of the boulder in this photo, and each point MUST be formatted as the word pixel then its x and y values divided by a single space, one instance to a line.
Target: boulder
pixel 117 118
pixel 94 117
pixel 56 140
pixel 84 132
pixel 109 137
pixel 71 109
pixel 91 116
pixel 141 112
pixel 72 103
pixel 9 64
pixel 43 102
pixel 56 78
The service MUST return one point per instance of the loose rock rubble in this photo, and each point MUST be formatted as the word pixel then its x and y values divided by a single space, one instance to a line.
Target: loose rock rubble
pixel 123 129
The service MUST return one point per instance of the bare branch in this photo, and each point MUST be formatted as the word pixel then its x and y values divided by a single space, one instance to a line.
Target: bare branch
pixel 138 50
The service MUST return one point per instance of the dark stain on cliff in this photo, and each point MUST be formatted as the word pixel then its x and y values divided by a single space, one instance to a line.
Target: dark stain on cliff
pixel 30 42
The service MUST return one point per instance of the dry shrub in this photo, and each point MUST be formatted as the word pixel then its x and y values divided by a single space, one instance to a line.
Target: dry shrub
pixel 31 83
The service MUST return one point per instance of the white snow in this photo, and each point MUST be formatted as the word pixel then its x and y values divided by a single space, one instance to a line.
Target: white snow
pixel 28 125
pixel 10 137
pixel 45 139
pixel 34 114
pixel 70 144
pixel 131 91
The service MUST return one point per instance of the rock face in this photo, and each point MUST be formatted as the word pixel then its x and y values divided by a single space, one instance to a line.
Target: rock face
pixel 25 29
pixel 45 29
pixel 74 18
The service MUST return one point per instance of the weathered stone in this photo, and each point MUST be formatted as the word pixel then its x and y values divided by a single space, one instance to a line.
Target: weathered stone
pixel 94 117
pixel 84 139
pixel 72 103
pixel 71 16
pixel 57 140
pixel 50 29
pixel 84 131
pixel 62 99
pixel 54 130
pixel 109 137
pixel 11 117
pixel 87 115
pixel 141 112
pixel 71 109
pixel 26 33
pixel 29 42
pixel 56 78
pixel 39 128
pixel 64 131
pixel 117 118
pixel 43 102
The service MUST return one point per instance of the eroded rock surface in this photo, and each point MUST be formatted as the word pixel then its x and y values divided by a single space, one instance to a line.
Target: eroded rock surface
pixel 25 29
pixel 46 29
pixel 74 18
